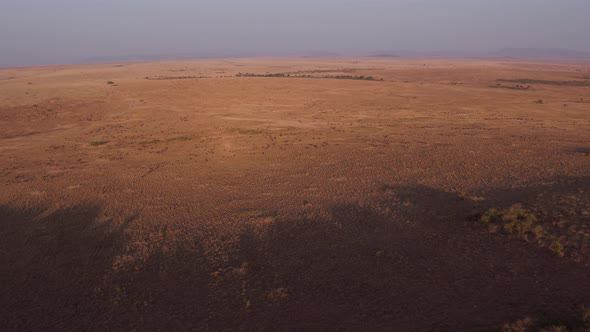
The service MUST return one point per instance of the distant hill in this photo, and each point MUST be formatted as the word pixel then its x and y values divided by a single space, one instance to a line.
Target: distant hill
pixel 383 55
pixel 542 53
pixel 161 57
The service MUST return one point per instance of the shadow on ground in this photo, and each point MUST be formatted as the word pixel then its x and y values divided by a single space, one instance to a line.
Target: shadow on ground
pixel 581 150
pixel 325 268
pixel 53 266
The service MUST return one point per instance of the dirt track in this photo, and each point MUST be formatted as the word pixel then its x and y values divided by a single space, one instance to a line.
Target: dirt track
pixel 201 200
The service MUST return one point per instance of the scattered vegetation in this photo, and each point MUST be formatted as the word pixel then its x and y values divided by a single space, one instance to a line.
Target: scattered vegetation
pixel 163 78
pixel 564 231
pixel 278 294
pixel 577 322
pixel 154 141
pixel 265 75
pixel 324 71
pixel 546 82
pixel 521 325
pixel 98 143
pixel 173 139
pixel 464 196
pixel 511 87
pixel 514 220
pixel 31 133
pixel 285 75
pixel 179 139
pixel 248 131
pixel 350 77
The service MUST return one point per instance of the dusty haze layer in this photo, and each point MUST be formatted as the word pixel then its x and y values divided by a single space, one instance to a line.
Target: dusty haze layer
pixel 176 195
pixel 39 32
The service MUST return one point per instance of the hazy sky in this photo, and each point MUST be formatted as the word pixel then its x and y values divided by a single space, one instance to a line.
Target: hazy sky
pixel 63 31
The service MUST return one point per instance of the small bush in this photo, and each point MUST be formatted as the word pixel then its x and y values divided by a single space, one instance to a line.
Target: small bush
pixel 557 248
pixel 522 325
pixel 278 294
pixel 98 143
pixel 493 228
pixel 464 196
pixel 489 216
pixel 538 232
pixel 110 82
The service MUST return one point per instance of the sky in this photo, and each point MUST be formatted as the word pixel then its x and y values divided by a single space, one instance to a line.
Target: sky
pixel 35 32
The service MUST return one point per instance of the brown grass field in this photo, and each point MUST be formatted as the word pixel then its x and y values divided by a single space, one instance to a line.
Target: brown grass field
pixel 440 194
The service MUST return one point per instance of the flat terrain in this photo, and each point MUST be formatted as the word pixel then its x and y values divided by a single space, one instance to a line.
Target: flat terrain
pixel 184 196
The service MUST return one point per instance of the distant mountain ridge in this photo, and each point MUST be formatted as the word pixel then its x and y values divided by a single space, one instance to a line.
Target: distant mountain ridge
pixel 542 53
pixel 515 53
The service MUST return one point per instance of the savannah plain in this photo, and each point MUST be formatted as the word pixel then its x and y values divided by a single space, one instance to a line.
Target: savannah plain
pixel 296 194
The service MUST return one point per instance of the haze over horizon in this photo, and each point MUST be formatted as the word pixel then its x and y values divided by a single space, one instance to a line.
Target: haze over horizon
pixel 35 32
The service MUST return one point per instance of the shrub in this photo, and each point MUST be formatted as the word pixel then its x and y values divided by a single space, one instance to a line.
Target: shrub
pixel 489 216
pixel 557 248
pixel 98 143
pixel 515 219
pixel 538 232
pixel 522 325
pixel 278 294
